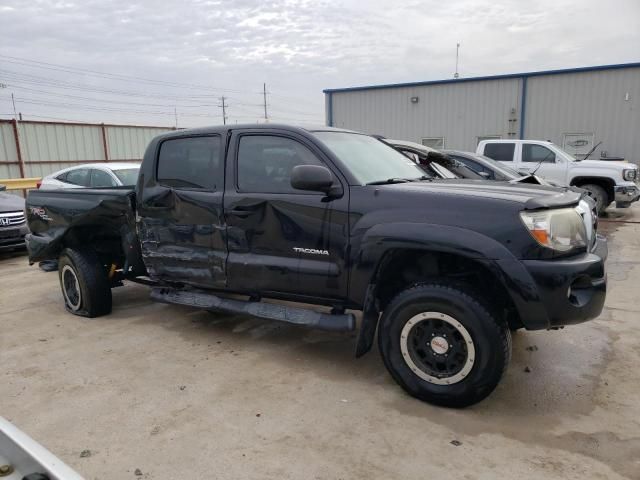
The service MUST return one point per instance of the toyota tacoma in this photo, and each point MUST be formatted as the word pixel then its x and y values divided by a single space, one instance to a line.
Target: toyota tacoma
pixel 230 218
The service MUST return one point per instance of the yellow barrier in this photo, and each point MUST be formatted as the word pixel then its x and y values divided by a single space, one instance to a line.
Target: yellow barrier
pixel 20 183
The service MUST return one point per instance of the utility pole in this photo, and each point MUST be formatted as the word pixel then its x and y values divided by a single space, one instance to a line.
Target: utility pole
pixel 264 95
pixel 224 112
pixel 456 75
pixel 13 100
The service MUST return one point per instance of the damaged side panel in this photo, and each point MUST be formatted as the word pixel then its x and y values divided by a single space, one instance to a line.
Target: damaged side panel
pixel 182 236
pixel 72 217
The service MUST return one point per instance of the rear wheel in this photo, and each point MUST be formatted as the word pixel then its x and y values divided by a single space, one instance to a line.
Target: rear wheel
pixel 84 283
pixel 599 196
pixel 442 346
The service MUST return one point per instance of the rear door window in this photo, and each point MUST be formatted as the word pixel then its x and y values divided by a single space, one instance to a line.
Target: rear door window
pixel 191 163
pixel 78 177
pixel 473 165
pixel 100 178
pixel 502 152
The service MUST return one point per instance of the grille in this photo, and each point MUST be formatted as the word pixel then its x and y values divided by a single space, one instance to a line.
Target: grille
pixel 12 219
pixel 11 233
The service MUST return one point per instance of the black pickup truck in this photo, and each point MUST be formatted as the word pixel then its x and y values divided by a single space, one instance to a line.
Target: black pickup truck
pixel 229 218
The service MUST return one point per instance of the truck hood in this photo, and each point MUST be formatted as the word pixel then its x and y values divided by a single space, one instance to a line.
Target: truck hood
pixel 10 203
pixel 531 197
pixel 603 165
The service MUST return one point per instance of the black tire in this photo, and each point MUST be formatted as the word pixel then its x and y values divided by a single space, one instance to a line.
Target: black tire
pixel 84 283
pixel 599 195
pixel 491 345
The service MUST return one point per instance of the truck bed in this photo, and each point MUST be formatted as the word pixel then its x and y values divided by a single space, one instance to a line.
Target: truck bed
pixel 57 214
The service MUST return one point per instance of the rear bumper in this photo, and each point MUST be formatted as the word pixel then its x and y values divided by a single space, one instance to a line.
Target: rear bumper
pixel 13 237
pixel 570 290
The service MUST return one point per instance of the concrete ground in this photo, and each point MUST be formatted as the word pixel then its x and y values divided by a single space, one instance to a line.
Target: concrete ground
pixel 182 394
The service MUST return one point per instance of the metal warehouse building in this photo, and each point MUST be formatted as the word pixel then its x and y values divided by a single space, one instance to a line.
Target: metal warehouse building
pixel 574 108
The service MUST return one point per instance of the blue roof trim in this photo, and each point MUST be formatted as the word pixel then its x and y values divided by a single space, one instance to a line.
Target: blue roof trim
pixel 491 77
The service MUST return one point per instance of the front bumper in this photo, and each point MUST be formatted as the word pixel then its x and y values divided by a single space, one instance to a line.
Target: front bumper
pixel 571 290
pixel 625 194
pixel 13 237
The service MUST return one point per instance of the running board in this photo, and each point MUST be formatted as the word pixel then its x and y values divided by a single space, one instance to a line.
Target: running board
pixel 345 322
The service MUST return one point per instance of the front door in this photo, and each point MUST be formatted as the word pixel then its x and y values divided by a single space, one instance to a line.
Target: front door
pixel 543 162
pixel 281 239
pixel 180 220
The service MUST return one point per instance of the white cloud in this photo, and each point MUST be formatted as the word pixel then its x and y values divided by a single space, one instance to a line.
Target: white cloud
pixel 298 47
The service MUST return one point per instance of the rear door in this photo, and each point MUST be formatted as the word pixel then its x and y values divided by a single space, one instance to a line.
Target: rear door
pixel 281 239
pixel 180 220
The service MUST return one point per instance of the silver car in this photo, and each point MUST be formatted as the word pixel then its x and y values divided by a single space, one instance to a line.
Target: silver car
pixel 93 175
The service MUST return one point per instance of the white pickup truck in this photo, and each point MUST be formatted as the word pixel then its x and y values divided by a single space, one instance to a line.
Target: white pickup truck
pixel 605 181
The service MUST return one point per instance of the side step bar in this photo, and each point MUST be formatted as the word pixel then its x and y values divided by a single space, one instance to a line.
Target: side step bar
pixel 345 322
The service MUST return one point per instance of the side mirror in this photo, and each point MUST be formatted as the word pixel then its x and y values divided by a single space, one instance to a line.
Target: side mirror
pixel 314 178
pixel 484 175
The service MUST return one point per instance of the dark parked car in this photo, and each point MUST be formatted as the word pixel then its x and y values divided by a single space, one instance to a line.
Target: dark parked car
pixel 491 169
pixel 224 217
pixel 13 222
pixel 432 161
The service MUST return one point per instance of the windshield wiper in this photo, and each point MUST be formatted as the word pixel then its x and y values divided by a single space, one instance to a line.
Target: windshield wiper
pixel 389 181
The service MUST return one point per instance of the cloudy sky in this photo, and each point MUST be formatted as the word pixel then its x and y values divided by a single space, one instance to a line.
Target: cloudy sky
pixel 131 62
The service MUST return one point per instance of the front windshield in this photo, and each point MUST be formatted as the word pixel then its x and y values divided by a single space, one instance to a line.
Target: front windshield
pixel 127 176
pixel 368 159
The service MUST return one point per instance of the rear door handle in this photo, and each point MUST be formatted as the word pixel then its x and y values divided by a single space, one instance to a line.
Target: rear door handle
pixel 240 212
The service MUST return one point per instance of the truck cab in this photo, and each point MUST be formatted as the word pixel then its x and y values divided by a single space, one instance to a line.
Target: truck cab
pixel 605 181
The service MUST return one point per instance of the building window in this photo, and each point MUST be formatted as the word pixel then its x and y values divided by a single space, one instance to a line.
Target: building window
pixel 433 142
pixel 577 144
pixel 488 137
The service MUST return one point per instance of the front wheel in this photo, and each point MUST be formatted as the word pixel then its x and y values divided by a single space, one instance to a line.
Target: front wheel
pixel 599 195
pixel 442 346
pixel 84 283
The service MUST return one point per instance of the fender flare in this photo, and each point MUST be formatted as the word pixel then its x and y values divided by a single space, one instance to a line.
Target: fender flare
pixel 382 239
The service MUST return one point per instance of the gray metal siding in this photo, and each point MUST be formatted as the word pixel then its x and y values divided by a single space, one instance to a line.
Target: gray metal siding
pixel 589 102
pixel 126 143
pixel 574 102
pixel 49 142
pixel 458 112
pixel 50 146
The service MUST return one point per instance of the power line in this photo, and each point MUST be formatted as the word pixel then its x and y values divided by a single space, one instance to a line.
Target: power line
pixel 113 76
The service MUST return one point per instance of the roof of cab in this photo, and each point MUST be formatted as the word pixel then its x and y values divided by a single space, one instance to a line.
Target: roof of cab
pixel 253 126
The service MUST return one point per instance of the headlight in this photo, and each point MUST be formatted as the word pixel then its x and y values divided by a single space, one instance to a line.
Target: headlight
pixel 630 174
pixel 561 229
